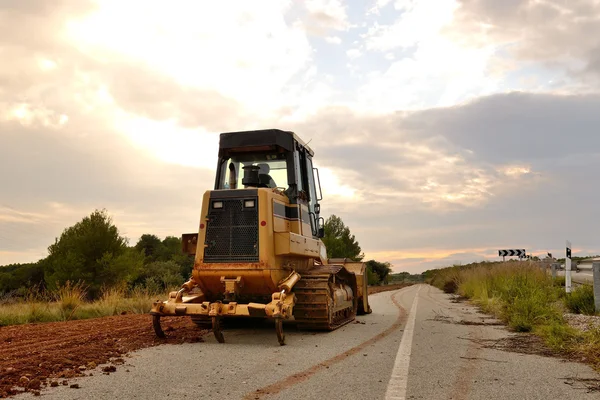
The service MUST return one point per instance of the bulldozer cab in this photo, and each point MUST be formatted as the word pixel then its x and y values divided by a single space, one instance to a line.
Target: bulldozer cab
pixel 273 159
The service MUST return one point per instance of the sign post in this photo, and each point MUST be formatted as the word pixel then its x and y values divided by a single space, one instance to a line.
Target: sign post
pixel 568 268
pixel 596 272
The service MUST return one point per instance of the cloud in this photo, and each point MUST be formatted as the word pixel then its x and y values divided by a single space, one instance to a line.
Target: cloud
pixel 248 52
pixel 353 53
pixel 430 68
pixel 553 32
pixel 333 39
pixel 53 179
pixel 418 21
pixel 517 126
pixel 326 15
pixel 505 170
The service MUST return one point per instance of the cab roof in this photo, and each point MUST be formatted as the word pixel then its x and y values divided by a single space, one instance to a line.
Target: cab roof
pixel 260 138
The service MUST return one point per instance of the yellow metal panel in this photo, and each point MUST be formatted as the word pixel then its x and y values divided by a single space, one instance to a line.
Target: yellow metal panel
pixel 202 230
pixel 282 243
pixel 280 223
pixel 293 244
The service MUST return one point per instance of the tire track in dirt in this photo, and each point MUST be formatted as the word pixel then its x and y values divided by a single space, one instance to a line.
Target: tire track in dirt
pixel 468 369
pixel 73 338
pixel 302 376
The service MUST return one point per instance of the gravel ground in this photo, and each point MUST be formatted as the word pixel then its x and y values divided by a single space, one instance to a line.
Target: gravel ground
pixel 583 322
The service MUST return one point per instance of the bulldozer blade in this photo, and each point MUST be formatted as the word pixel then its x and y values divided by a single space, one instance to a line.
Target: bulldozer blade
pixel 157 328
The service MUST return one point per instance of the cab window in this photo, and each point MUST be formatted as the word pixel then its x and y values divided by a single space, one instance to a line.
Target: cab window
pixel 272 173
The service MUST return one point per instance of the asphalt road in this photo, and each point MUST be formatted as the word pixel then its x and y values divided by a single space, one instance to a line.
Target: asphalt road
pixel 585 275
pixel 417 344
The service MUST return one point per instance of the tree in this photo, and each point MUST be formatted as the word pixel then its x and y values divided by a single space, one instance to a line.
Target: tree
pixel 169 249
pixel 372 277
pixel 151 245
pixel 381 269
pixel 338 240
pixel 21 276
pixel 91 251
pixel 159 276
pixel 173 252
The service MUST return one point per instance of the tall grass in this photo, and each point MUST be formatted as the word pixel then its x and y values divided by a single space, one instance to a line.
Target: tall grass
pixel 68 303
pixel 70 297
pixel 522 295
pixel 581 300
pixel 528 300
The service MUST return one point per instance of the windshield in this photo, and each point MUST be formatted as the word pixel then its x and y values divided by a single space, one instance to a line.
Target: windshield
pixel 272 173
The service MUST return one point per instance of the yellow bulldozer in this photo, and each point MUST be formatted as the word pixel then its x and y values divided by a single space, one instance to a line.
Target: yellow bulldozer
pixel 258 250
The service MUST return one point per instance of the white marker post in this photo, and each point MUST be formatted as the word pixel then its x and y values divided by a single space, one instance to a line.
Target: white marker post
pixel 568 268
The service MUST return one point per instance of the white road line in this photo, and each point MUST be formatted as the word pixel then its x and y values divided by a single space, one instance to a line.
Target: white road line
pixel 396 389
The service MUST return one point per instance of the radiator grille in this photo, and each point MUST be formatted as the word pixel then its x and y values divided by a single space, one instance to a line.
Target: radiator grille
pixel 232 232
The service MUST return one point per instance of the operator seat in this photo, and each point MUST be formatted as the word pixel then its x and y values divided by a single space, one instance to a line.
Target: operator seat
pixel 264 178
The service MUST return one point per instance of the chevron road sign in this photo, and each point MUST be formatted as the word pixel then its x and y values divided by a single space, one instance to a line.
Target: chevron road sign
pixel 512 253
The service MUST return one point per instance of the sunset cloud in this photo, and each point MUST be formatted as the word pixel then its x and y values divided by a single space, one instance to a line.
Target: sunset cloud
pixel 442 131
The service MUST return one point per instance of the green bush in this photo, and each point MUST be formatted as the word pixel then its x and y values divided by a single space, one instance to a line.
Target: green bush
pixel 581 300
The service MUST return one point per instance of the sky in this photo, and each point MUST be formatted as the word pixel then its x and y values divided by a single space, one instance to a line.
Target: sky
pixel 443 130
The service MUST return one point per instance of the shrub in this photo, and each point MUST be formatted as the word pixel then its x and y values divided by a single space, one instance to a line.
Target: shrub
pixel 581 300
pixel 70 297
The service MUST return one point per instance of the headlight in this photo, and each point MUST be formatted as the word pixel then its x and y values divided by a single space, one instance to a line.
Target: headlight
pixel 217 204
pixel 249 203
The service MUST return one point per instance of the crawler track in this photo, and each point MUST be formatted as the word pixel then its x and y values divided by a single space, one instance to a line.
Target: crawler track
pixel 314 309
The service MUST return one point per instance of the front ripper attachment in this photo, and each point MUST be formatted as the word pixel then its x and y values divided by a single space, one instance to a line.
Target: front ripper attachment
pixel 216 327
pixel 280 308
pixel 279 331
pixel 157 328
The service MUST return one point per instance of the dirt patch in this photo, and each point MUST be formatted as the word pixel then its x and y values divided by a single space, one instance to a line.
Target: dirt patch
pixel 449 320
pixel 480 323
pixel 522 343
pixel 583 322
pixel 459 299
pixel 387 288
pixel 588 384
pixel 35 356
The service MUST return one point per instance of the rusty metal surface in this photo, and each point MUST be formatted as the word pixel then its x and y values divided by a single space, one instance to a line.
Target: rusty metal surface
pixel 189 242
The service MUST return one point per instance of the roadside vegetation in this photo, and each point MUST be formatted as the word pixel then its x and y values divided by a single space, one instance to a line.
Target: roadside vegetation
pixel 69 302
pixel 527 299
pixel 92 271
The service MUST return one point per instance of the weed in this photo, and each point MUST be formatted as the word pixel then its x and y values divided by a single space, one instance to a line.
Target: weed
pixel 68 303
pixel 528 300
pixel 70 297
pixel 581 300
